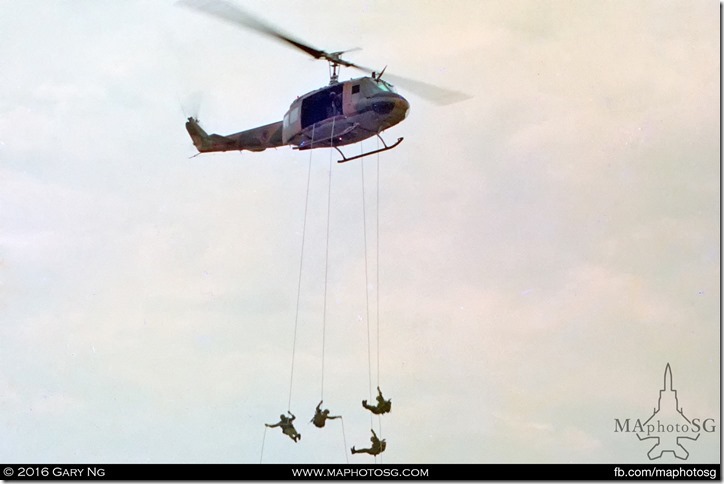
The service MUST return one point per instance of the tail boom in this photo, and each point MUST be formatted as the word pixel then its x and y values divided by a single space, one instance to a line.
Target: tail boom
pixel 255 139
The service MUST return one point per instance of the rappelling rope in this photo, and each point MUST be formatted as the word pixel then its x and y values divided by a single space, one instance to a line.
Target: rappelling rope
pixel 326 273
pixel 344 440
pixel 379 383
pixel 299 282
pixel 367 292
pixel 377 257
pixel 367 295
pixel 261 457
pixel 326 257
pixel 377 270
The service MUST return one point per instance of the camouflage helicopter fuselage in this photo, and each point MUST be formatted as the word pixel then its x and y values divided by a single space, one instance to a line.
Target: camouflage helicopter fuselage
pixel 336 115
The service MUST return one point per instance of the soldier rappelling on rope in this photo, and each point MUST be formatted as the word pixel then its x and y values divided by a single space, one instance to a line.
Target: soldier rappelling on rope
pixel 383 406
pixel 321 416
pixel 377 447
pixel 287 426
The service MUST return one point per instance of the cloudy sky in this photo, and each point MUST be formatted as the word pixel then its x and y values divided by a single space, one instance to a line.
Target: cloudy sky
pixel 545 248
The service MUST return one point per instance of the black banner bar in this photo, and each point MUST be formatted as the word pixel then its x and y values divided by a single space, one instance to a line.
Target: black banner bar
pixel 418 472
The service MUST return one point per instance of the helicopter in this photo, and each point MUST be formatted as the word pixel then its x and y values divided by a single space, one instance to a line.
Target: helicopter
pixel 338 114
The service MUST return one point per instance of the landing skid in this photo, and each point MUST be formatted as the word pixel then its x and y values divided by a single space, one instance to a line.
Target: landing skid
pixel 345 159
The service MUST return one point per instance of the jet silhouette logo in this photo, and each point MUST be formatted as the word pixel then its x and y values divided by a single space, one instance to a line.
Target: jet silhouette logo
pixel 667 427
pixel 669 424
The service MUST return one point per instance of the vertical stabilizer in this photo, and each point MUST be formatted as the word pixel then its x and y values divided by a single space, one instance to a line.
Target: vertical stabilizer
pixel 198 135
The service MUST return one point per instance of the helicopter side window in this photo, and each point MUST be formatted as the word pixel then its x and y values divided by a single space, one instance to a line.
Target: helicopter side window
pixel 355 89
pixel 291 116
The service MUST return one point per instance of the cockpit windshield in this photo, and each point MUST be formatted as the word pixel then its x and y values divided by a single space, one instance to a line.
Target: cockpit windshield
pixel 371 86
pixel 385 86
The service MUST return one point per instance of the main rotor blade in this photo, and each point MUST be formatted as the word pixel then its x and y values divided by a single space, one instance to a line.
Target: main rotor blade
pixel 432 93
pixel 231 13
pixel 429 92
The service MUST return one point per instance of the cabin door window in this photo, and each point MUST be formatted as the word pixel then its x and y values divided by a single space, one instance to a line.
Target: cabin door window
pixel 322 105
